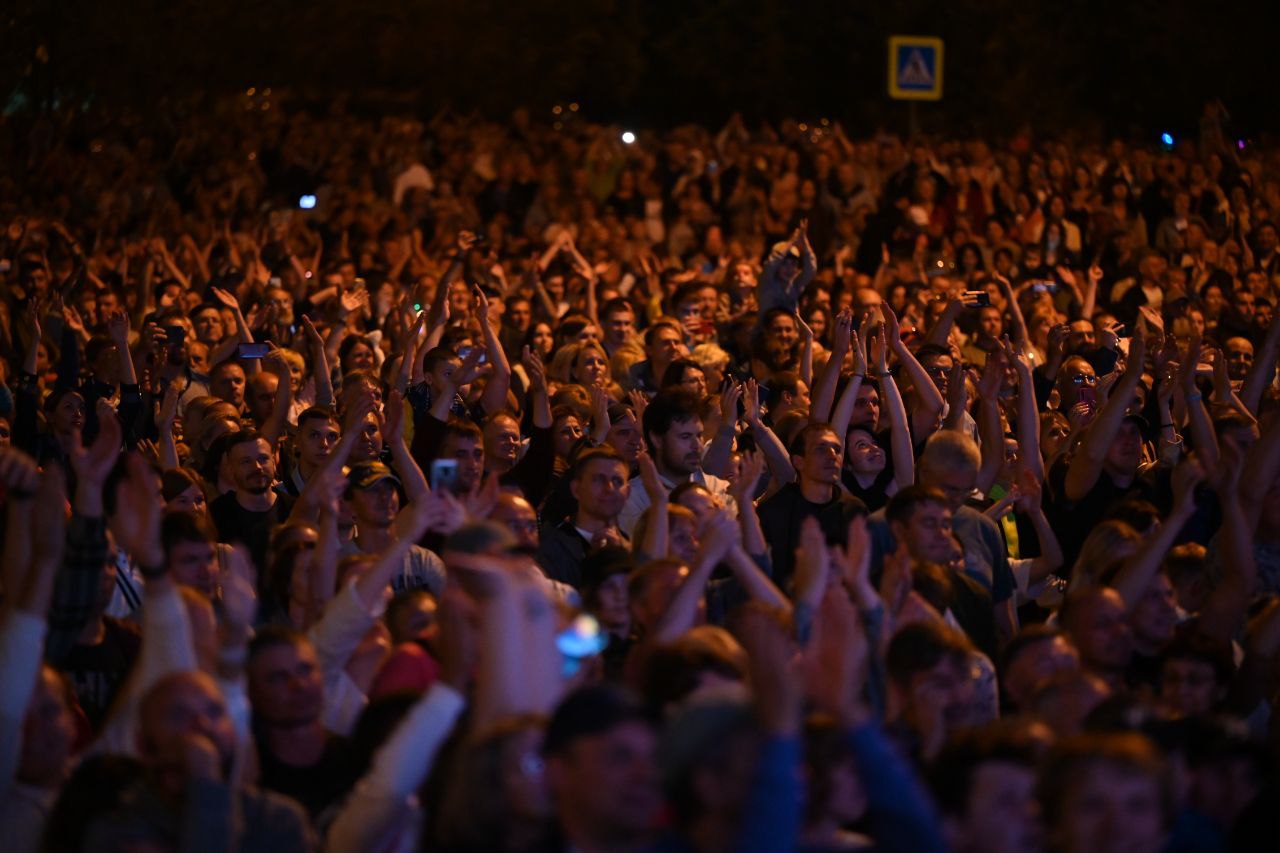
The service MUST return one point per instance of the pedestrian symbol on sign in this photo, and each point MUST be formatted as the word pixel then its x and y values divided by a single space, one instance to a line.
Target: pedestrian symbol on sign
pixel 915 68
pixel 916 73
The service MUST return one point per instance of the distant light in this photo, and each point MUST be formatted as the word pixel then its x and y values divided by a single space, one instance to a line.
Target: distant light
pixel 628 137
pixel 573 108
pixel 557 109
pixel 307 202
pixel 1166 138
pixel 251 91
pixel 1240 144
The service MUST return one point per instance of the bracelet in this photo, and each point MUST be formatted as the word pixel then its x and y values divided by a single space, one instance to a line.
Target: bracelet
pixel 1167 426
pixel 857 376
pixel 885 374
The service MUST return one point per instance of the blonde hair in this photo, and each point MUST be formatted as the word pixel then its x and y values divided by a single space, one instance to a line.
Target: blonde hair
pixel 1103 549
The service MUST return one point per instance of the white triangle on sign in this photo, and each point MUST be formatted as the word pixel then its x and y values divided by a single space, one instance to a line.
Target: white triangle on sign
pixel 915 72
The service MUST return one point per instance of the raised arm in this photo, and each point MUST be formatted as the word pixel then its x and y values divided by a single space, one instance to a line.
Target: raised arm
pixel 1226 607
pixel 320 372
pixel 243 334
pixel 904 457
pixel 929 403
pixel 1086 465
pixel 716 458
pixel 743 491
pixel 990 429
pixel 940 334
pixel 278 420
pixel 494 398
pixel 1263 371
pixel 824 391
pixel 775 453
pixel 409 527
pixel 1028 414
pixel 806 350
pixel 118 328
pixel 1262 467
pixel 415 483
pixel 682 613
pixel 656 534
pixel 1198 422
pixel 1017 322
pixel 1136 574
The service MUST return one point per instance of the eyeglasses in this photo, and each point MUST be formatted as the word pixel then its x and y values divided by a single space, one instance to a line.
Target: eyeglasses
pixel 1084 379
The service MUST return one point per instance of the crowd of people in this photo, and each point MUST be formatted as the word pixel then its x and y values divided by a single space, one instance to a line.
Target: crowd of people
pixel 399 484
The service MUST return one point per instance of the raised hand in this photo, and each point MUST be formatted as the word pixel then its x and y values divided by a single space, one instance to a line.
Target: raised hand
pixel 729 399
pixel 353 300
pixel 535 370
pixel 751 402
pixel 813 562
pixel 224 298
pixel 638 402
pixel 276 364
pixel 118 328
pixel 138 510
pixel 94 464
pixel 806 333
pixel 649 477
pixel 470 368
pixel 892 329
pixel 992 376
pixel 744 485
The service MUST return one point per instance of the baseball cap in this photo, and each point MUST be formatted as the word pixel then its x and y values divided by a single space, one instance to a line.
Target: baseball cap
pixel 366 475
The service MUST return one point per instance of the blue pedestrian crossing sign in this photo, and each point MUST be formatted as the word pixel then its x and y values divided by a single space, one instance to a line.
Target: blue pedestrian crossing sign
pixel 915 68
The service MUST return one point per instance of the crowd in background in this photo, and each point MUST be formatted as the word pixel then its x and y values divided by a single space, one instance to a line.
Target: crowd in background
pixel 402 484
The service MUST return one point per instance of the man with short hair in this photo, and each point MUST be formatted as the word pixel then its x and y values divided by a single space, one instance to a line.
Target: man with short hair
pixel 931 683
pixel 673 431
pixel 373 495
pixel 252 509
pixel 1105 791
pixel 190 552
pixel 618 320
pixel 1103 470
pixel 950 464
pixel 599 484
pixel 1239 355
pixel 187 738
pixel 984 782
pixel 297 755
pixel 1094 619
pixel 227 382
pixel 663 344
pixel 1033 658
pixel 601 772
pixel 816 454
pixel 315 439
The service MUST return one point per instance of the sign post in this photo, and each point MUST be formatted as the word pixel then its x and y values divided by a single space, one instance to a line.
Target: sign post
pixel 915 71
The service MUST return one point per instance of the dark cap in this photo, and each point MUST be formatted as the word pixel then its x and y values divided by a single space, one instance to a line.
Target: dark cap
pixel 591 711
pixel 366 475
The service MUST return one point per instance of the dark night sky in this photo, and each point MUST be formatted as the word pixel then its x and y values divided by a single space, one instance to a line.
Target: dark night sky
pixel 1127 66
